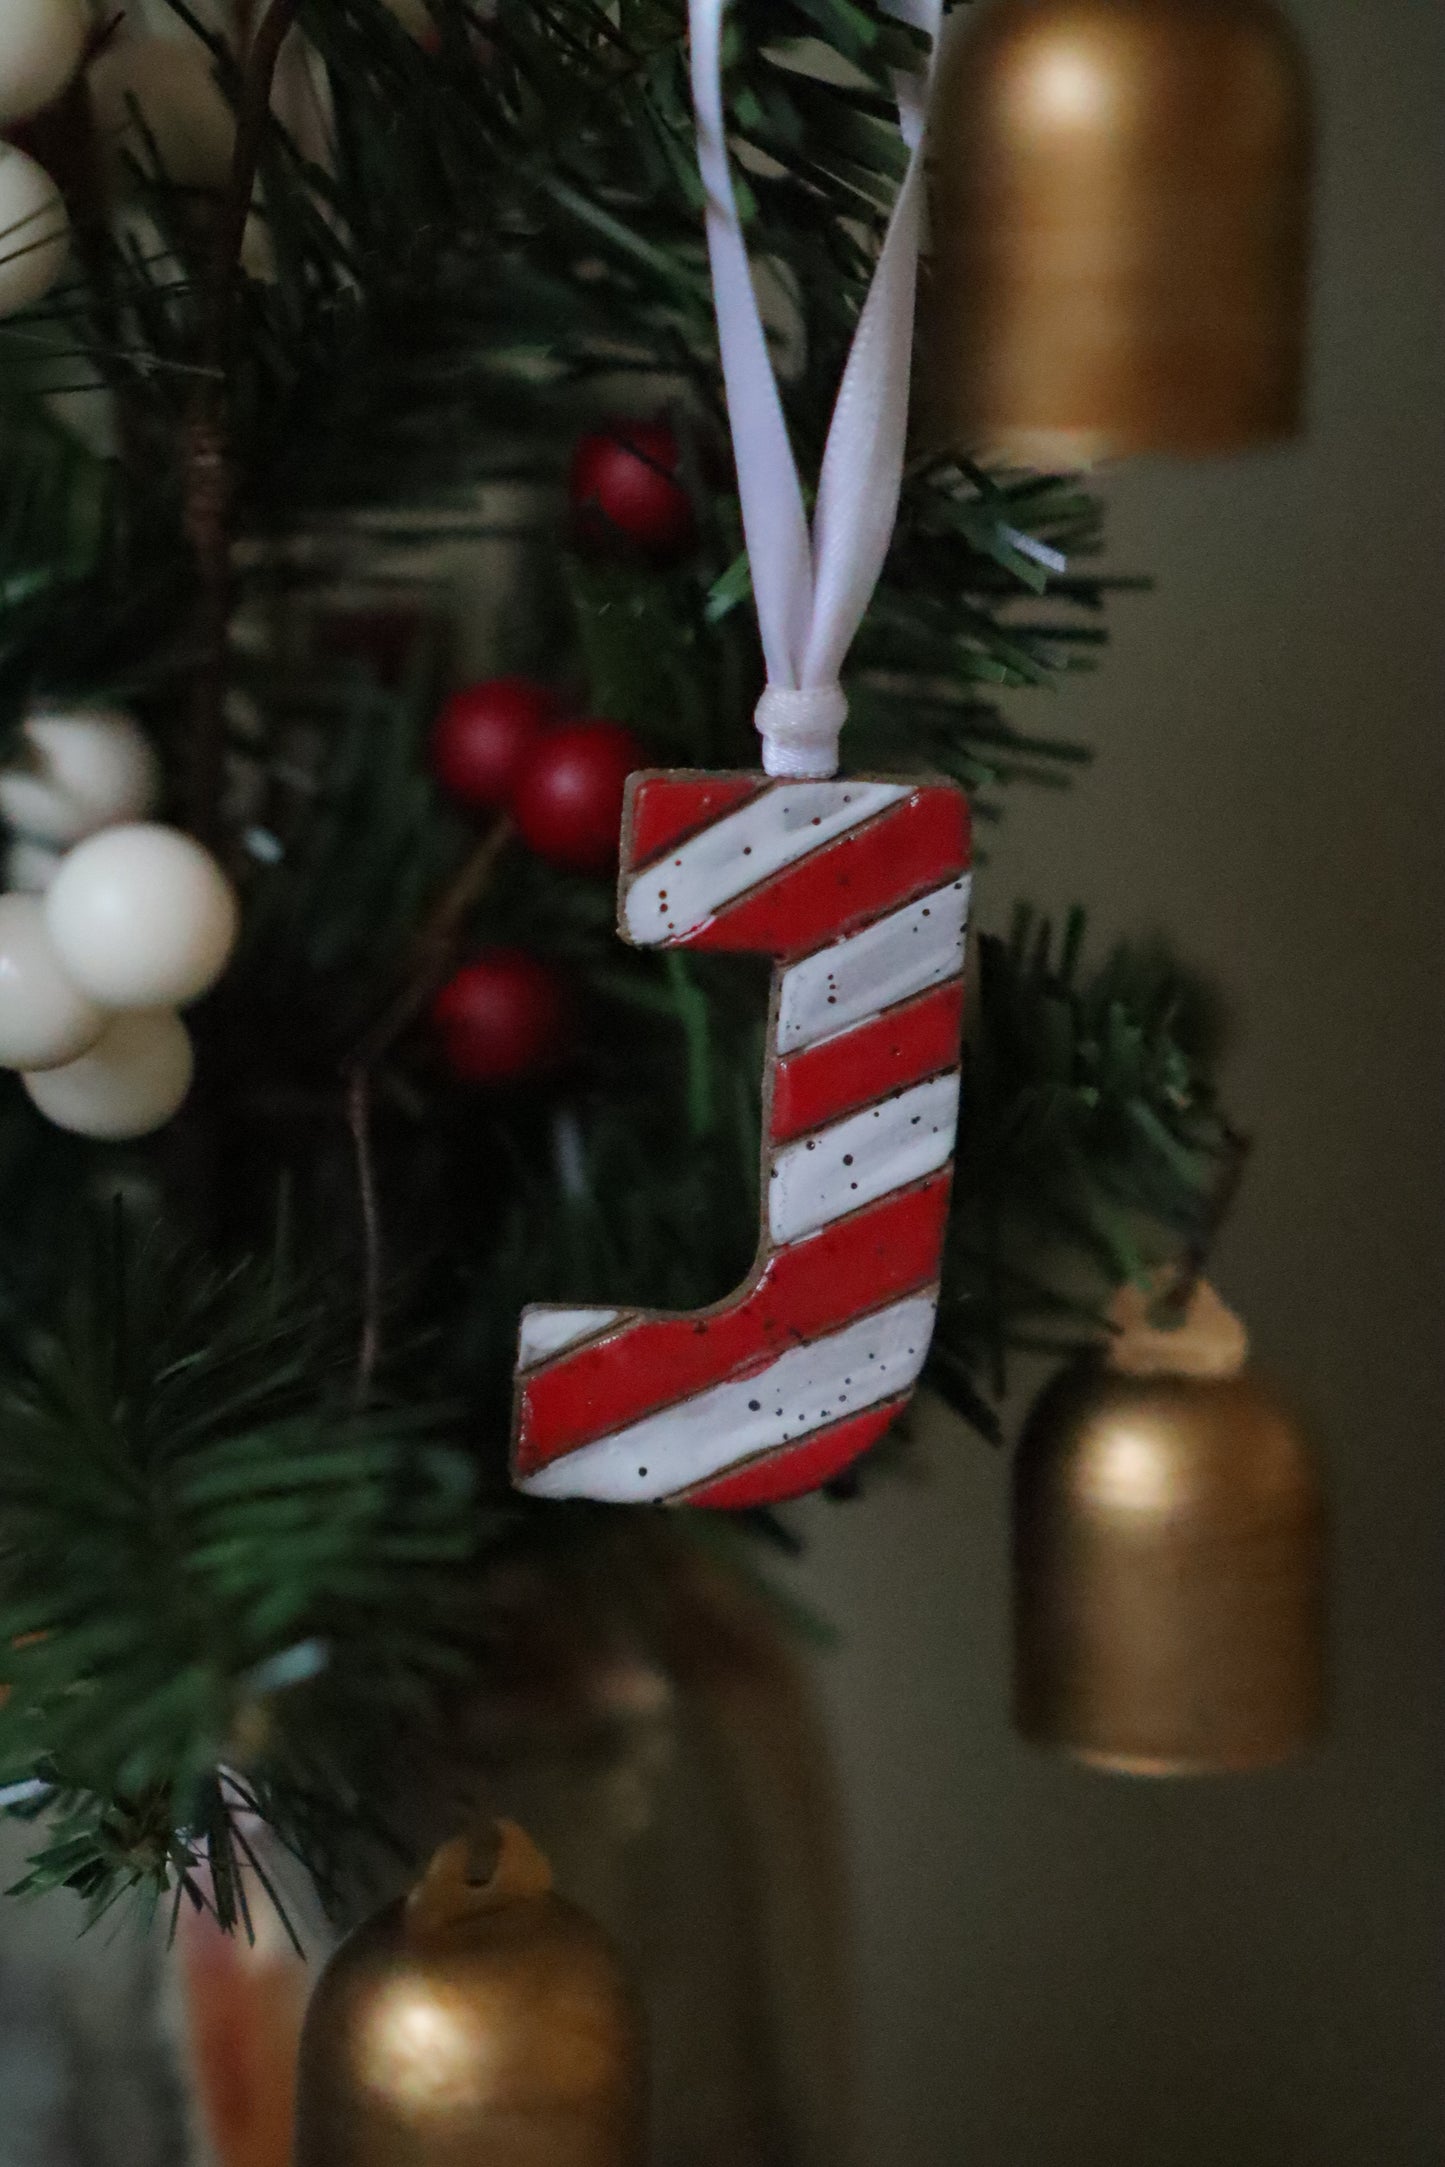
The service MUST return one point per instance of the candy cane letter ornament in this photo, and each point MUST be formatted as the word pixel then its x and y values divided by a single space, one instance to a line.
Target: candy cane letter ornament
pixel 858 887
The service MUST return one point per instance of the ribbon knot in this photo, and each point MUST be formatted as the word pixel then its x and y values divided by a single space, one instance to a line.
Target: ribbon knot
pixel 800 729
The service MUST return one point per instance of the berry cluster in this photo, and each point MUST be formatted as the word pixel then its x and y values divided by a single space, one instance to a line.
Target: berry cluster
pixel 509 746
pixel 112 923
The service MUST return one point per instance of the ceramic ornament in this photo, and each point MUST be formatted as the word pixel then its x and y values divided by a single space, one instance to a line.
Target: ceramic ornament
pixel 860 890
pixel 80 769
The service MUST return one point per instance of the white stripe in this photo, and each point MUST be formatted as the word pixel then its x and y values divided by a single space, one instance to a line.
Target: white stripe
pixel 547 1330
pixel 682 891
pixel 896 956
pixel 679 1446
pixel 853 1162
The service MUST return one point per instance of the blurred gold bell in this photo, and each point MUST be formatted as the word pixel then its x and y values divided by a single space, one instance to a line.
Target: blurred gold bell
pixel 1169 1535
pixel 482 2019
pixel 1120 214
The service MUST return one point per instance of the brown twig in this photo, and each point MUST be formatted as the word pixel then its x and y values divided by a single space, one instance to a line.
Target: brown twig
pixel 431 951
pixel 358 1120
pixel 430 959
pixel 209 481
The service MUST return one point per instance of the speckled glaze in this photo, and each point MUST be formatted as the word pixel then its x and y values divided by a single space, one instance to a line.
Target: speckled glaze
pixel 859 890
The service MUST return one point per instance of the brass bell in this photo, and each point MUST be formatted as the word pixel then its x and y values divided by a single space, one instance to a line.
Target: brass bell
pixel 1169 1538
pixel 481 2019
pixel 1120 231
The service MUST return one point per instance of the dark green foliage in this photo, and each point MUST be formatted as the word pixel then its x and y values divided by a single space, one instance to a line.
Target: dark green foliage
pixel 210 1557
pixel 232 1546
pixel 1091 1148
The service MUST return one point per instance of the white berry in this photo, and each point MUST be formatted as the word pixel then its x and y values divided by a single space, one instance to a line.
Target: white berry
pixel 83 768
pixel 34 231
pixel 41 44
pixel 133 1079
pixel 415 17
pixel 142 917
pixel 185 124
pixel 44 1018
pixel 30 867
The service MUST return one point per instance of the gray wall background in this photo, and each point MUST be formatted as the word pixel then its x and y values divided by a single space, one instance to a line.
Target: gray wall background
pixel 1062 1967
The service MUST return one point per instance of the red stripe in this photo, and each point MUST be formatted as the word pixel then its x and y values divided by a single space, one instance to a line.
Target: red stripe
pixel 811 1287
pixel 665 810
pixel 870 870
pixel 795 1469
pixel 900 1047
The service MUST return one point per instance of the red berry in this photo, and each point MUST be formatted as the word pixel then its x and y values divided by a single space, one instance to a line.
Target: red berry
pixel 568 804
pixel 502 1018
pixel 483 736
pixel 625 484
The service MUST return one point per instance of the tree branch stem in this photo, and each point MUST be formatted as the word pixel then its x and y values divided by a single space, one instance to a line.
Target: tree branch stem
pixel 431 958
pixel 209 479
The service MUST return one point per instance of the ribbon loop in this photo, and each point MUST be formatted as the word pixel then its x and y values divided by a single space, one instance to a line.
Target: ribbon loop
pixel 812 591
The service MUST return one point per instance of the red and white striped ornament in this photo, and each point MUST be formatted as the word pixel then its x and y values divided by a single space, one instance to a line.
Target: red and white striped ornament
pixel 859 889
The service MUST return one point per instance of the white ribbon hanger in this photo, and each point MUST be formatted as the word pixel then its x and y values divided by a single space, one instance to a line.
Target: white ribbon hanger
pixel 811 590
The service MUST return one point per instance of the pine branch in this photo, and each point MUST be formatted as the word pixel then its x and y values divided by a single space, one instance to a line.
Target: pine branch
pixel 207 1550
pixel 1091 1146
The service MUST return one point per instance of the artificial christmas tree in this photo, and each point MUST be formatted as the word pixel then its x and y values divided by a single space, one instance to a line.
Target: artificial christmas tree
pixel 255 1387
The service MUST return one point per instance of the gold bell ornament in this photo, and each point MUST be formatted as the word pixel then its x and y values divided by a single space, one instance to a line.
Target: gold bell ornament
pixel 1120 230
pixel 1169 1539
pixel 482 2019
